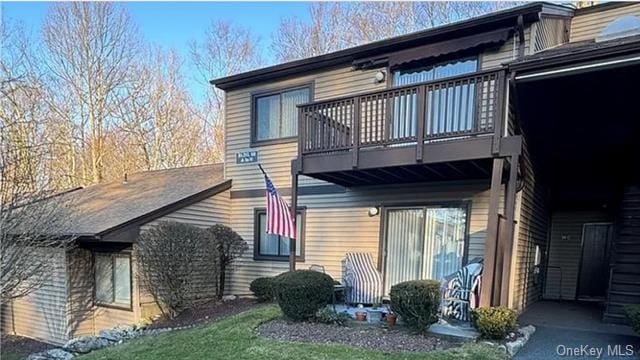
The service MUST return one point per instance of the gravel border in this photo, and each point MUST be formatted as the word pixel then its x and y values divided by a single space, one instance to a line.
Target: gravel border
pixel 363 336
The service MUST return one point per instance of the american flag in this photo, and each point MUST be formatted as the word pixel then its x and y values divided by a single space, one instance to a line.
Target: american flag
pixel 279 219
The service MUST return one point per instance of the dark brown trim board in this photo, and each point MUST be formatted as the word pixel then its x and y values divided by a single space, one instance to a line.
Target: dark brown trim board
pixel 286 191
pixel 256 235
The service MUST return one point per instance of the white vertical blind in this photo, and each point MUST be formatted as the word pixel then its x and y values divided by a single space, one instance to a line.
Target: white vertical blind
pixel 277 114
pixel 104 274
pixel 404 246
pixel 423 243
pixel 122 278
pixel 290 99
pixel 268 117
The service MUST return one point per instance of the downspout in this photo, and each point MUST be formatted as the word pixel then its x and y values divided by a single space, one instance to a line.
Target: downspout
pixel 521 38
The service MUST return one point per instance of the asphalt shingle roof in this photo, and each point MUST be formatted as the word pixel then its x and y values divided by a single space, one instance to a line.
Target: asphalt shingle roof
pixel 97 208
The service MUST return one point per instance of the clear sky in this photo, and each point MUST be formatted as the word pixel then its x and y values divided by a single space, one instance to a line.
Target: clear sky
pixel 174 24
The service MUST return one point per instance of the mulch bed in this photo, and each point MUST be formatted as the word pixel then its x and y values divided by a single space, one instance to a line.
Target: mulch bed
pixel 364 336
pixel 206 313
pixel 12 344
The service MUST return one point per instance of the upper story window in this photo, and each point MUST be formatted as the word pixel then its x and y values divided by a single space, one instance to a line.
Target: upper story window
pixel 422 73
pixel 275 115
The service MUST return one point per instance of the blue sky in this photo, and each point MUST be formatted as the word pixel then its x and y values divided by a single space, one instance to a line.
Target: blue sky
pixel 174 24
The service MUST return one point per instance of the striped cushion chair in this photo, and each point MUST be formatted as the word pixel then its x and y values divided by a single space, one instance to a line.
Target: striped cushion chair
pixel 362 280
pixel 461 290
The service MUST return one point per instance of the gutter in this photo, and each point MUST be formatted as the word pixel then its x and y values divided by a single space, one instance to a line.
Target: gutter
pixel 601 65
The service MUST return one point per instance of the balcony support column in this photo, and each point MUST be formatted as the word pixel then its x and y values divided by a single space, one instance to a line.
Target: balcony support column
pixel 293 210
pixel 508 240
pixel 487 297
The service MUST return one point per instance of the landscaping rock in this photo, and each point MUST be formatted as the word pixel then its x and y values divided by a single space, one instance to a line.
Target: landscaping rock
pixel 53 354
pixel 229 298
pixel 85 344
pixel 512 347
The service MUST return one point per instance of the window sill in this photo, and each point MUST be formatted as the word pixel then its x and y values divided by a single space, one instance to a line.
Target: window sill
pixel 276 258
pixel 287 140
pixel 115 306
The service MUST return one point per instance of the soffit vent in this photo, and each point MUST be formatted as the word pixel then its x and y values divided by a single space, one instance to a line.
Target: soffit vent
pixel 627 25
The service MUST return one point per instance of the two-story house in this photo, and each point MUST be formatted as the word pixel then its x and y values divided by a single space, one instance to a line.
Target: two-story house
pixel 508 137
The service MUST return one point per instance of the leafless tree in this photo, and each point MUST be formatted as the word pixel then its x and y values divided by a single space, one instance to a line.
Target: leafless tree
pixel 335 26
pixel 91 47
pixel 227 49
pixel 30 218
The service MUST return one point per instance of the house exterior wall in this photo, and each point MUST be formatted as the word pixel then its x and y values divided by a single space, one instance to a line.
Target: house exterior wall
pixel 86 318
pixel 41 315
pixel 588 25
pixel 330 218
pixel 565 251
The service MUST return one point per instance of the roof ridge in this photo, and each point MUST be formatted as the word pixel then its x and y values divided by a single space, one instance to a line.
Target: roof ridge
pixel 177 168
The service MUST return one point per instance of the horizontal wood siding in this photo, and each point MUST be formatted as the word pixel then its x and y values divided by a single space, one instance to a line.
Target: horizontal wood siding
pixel 588 26
pixel 336 224
pixel 494 58
pixel 41 315
pixel 532 230
pixel 565 251
pixel 550 32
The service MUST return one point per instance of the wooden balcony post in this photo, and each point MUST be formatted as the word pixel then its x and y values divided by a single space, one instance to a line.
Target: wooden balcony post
pixel 293 210
pixel 490 244
pixel 507 245
pixel 421 108
pixel 302 132
pixel 356 131
pixel 499 111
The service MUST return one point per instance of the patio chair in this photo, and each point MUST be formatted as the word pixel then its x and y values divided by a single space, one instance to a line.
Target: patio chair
pixel 461 291
pixel 362 279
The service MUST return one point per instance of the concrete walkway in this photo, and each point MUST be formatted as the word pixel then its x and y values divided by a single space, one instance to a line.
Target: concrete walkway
pixel 573 330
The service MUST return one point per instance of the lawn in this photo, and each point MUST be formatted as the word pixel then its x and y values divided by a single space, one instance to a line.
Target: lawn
pixel 235 338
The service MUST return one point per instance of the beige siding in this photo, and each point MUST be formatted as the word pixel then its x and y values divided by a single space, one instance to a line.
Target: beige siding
pixel 588 26
pixel 565 250
pixel 41 315
pixel 339 223
pixel 85 317
pixel 210 211
pixel 532 229
pixel 550 32
pixel 494 58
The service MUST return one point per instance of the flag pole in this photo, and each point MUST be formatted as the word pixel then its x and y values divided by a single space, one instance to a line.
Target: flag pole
pixel 294 219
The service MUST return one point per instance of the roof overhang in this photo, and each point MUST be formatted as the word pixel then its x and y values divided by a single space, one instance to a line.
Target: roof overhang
pixel 501 19
pixel 605 57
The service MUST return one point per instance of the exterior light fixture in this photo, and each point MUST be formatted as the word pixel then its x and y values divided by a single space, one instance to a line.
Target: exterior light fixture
pixel 373 211
pixel 380 76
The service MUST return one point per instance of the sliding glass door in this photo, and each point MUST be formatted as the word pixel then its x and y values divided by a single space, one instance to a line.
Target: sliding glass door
pixel 423 243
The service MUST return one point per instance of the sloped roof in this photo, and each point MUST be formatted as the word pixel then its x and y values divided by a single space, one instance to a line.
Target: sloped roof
pixel 99 208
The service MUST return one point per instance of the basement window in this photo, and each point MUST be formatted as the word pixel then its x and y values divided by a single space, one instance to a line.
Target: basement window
pixel 113 280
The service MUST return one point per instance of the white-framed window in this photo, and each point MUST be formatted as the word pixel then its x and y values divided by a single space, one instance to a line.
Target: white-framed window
pixel 113 279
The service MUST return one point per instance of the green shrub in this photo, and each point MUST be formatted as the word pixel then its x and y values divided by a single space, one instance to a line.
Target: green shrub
pixel 633 313
pixel 329 316
pixel 494 322
pixel 301 293
pixel 417 302
pixel 262 288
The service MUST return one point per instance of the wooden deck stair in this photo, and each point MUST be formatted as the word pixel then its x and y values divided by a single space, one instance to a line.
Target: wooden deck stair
pixel 624 282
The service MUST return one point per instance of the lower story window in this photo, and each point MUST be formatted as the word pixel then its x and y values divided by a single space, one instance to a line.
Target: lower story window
pixel 275 247
pixel 113 279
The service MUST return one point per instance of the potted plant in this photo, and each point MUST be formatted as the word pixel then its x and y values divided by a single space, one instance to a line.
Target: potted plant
pixel 391 319
pixel 374 315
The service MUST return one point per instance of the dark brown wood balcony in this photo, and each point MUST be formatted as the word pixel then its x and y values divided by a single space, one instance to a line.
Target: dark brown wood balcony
pixel 444 129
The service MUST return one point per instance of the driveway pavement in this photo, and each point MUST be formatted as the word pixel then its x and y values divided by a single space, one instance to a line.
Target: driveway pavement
pixel 562 343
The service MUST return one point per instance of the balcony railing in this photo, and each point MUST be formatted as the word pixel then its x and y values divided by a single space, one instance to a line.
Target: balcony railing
pixel 461 106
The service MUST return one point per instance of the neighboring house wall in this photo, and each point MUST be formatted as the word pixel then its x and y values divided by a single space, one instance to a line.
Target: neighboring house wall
pixel 85 318
pixel 588 24
pixel 41 315
pixel 565 251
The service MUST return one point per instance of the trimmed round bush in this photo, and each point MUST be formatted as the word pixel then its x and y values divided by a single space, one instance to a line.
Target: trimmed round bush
pixel 417 302
pixel 301 293
pixel 494 322
pixel 262 288
pixel 633 314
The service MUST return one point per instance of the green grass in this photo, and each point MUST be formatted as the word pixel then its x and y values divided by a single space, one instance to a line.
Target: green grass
pixel 6 355
pixel 236 338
